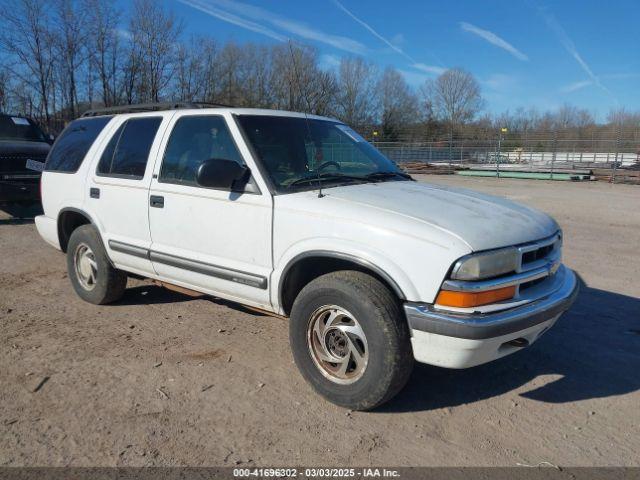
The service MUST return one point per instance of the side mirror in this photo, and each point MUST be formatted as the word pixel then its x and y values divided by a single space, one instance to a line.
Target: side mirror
pixel 220 173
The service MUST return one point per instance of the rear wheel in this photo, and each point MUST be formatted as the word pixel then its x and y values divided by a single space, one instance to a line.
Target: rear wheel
pixel 350 339
pixel 93 277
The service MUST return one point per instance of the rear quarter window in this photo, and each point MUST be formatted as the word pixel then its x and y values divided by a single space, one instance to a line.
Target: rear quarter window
pixel 73 144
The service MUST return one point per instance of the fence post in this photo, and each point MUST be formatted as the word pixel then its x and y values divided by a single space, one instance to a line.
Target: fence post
pixel 615 161
pixel 499 146
pixel 450 148
pixel 554 151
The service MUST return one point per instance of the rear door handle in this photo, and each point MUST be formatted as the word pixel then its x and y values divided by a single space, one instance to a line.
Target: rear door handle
pixel 94 192
pixel 156 201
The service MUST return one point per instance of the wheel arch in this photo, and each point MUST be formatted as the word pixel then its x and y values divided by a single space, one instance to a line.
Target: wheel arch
pixel 306 266
pixel 70 218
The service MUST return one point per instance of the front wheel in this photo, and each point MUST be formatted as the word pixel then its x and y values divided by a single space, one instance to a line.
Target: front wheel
pixel 350 339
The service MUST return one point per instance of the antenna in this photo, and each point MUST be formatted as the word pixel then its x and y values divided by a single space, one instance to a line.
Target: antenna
pixel 306 119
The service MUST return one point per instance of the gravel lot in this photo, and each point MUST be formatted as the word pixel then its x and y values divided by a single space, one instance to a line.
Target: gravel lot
pixel 165 379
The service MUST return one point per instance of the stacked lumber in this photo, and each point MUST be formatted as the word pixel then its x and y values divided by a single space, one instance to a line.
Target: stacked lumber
pixel 426 168
pixel 622 175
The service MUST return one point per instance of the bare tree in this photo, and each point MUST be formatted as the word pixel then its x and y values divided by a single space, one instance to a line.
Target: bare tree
pixel 188 71
pixel 70 36
pixel 4 90
pixel 569 116
pixel 104 47
pixel 209 56
pixel 399 105
pixel 455 96
pixel 298 83
pixel 229 80
pixel 255 76
pixel 131 74
pixel 624 117
pixel 26 38
pixel 356 92
pixel 155 34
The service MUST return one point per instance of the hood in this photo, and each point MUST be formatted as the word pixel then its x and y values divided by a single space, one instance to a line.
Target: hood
pixel 481 221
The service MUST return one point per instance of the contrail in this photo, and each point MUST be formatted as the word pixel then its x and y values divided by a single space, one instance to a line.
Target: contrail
pixel 494 39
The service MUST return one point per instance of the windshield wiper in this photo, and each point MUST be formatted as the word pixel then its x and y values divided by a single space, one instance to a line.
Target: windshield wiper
pixel 383 175
pixel 326 176
pixel 375 176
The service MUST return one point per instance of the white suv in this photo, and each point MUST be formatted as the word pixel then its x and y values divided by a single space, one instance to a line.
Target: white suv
pixel 297 215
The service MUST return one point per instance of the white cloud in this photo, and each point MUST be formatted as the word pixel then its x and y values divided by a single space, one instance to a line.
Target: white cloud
pixel 575 86
pixel 415 79
pixel 570 47
pixel 500 82
pixel 394 44
pixel 205 7
pixel 429 68
pixel 124 34
pixel 397 39
pixel 253 18
pixel 579 85
pixel 494 39
pixel 329 61
pixel 371 30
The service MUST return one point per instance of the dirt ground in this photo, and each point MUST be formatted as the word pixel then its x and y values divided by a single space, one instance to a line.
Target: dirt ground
pixel 164 379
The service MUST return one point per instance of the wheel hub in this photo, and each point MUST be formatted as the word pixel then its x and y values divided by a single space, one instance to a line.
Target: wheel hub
pixel 337 344
pixel 86 266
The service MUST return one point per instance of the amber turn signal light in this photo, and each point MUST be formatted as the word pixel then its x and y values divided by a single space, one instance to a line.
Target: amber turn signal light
pixel 474 299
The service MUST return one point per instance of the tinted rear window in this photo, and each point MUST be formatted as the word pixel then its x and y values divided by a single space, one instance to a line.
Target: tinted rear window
pixel 20 129
pixel 73 144
pixel 127 153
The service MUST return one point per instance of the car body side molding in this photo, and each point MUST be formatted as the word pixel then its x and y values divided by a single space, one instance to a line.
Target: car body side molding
pixel 217 271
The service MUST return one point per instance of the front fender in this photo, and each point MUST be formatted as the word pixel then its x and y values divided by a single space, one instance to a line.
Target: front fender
pixel 361 254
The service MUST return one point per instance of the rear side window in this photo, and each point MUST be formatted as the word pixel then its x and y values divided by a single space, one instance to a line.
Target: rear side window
pixel 73 144
pixel 193 140
pixel 127 153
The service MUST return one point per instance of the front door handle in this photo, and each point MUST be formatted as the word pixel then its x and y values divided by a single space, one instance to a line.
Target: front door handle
pixel 156 201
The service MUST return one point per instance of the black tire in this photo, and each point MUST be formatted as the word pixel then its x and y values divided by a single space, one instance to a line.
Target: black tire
pixel 108 283
pixel 379 315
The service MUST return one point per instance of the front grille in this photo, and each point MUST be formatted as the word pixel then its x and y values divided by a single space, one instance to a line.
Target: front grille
pixel 15 163
pixel 536 254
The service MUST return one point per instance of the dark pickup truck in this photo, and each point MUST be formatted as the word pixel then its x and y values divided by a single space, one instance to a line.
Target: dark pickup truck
pixel 23 151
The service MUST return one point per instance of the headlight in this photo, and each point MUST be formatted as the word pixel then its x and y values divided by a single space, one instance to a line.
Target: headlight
pixel 479 266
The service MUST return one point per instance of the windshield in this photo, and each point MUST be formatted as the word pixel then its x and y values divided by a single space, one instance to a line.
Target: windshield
pixel 296 151
pixel 19 128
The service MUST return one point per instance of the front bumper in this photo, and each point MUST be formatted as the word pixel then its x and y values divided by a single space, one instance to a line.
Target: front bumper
pixel 464 340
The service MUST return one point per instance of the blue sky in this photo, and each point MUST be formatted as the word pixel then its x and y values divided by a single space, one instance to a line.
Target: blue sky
pixel 524 52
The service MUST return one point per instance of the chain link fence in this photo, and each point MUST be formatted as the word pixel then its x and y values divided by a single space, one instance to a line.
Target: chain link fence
pixel 612 159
